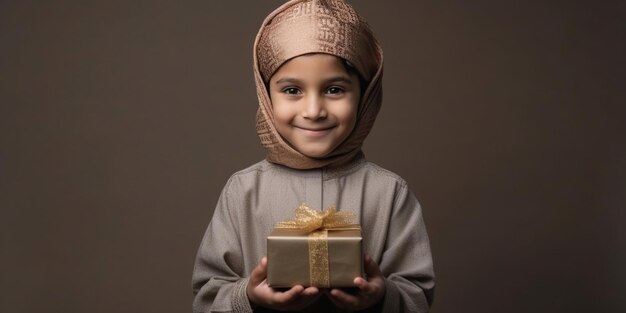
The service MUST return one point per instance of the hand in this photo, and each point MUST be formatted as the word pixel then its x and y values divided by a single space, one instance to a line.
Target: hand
pixel 260 293
pixel 370 291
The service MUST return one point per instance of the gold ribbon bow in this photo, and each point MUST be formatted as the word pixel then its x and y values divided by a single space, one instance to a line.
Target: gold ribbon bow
pixel 316 224
pixel 310 220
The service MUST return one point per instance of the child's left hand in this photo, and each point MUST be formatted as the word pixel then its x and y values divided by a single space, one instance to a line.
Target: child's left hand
pixel 371 291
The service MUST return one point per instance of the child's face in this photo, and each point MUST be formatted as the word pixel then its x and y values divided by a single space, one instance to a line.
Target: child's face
pixel 315 101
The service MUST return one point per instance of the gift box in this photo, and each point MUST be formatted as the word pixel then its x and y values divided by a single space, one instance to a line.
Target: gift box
pixel 328 256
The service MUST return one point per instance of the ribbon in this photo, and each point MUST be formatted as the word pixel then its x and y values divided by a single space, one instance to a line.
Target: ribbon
pixel 310 220
pixel 317 224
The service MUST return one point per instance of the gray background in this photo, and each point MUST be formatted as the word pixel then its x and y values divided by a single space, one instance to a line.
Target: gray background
pixel 120 121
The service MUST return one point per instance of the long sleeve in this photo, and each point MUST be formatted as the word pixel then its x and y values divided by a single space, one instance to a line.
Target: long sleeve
pixel 256 198
pixel 218 279
pixel 406 260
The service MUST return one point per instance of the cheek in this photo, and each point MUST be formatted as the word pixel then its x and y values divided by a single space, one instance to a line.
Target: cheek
pixel 282 113
pixel 350 122
pixel 347 113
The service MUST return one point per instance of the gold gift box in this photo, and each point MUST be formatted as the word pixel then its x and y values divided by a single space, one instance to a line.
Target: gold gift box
pixel 290 254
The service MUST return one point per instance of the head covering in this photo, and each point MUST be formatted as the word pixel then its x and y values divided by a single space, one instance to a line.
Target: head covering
pixel 301 27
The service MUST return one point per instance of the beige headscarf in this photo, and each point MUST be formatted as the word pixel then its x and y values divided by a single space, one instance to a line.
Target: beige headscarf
pixel 316 26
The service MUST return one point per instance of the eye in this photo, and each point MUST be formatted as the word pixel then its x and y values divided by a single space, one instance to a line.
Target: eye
pixel 291 91
pixel 334 90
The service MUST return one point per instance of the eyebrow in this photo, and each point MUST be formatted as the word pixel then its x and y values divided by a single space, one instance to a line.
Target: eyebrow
pixel 338 79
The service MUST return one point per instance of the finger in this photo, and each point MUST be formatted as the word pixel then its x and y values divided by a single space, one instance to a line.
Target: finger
pixel 289 295
pixel 259 273
pixel 363 285
pixel 301 302
pixel 310 291
pixel 336 302
pixel 343 299
pixel 371 268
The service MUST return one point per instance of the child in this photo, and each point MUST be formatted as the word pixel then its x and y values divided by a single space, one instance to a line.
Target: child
pixel 318 73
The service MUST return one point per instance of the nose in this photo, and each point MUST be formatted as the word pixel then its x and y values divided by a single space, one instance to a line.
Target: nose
pixel 314 108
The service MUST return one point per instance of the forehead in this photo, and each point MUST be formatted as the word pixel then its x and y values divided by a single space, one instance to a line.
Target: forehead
pixel 312 65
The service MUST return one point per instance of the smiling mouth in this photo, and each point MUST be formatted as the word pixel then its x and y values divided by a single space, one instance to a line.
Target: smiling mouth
pixel 315 132
pixel 315 129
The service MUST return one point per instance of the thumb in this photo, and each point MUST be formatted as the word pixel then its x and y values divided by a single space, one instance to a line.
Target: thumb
pixel 371 268
pixel 259 273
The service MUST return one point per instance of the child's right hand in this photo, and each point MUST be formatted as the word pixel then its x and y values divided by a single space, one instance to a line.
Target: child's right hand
pixel 260 293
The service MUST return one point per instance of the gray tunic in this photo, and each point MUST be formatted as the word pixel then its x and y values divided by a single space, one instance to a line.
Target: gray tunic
pixel 258 197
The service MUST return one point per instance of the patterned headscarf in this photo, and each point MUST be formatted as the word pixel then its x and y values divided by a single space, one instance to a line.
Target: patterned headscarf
pixel 301 27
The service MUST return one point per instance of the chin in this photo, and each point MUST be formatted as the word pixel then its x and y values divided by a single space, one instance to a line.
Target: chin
pixel 316 154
